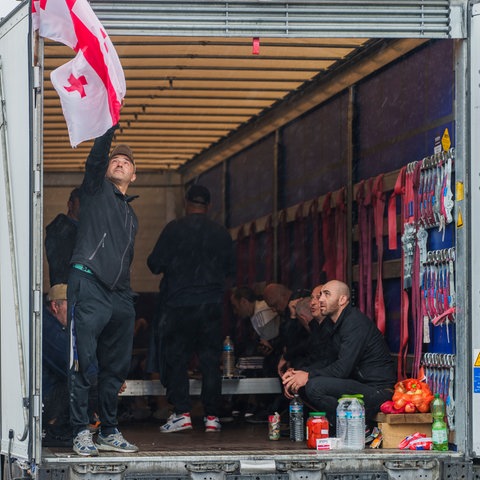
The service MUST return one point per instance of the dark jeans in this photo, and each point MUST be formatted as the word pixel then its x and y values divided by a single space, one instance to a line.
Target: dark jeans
pixel 323 394
pixel 194 329
pixel 103 323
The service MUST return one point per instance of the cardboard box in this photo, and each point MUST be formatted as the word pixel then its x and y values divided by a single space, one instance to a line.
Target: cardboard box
pixel 396 427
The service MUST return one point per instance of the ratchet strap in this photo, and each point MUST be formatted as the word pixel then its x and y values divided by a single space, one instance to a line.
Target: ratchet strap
pixel 378 202
pixel 314 223
pixel 269 249
pixel 328 237
pixel 341 236
pixel 365 227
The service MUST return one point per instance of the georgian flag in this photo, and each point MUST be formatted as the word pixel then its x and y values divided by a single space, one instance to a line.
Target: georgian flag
pixel 92 86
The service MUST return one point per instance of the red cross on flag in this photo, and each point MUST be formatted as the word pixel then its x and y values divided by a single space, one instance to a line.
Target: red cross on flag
pixel 92 86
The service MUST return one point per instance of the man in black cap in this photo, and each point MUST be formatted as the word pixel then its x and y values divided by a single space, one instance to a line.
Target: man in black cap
pixel 195 254
pixel 100 299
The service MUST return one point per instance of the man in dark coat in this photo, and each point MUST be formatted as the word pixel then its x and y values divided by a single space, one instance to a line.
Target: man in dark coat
pixel 195 254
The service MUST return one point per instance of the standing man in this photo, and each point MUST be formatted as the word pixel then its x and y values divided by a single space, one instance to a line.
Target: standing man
pixel 100 299
pixel 362 362
pixel 61 234
pixel 195 254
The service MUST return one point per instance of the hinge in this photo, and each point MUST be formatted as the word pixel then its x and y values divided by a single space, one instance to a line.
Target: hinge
pixel 413 469
pixel 95 468
pixel 36 301
pixel 36 406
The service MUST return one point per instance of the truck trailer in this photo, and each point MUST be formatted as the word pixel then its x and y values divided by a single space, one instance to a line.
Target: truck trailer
pixel 297 116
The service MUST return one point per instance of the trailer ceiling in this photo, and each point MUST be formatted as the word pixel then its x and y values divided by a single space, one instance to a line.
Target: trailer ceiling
pixel 194 84
pixel 186 94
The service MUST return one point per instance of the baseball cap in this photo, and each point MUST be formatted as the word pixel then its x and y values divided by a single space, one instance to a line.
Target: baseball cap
pixel 198 194
pixel 123 149
pixel 57 292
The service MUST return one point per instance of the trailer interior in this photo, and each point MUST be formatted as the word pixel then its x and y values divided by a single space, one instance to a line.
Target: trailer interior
pixel 281 122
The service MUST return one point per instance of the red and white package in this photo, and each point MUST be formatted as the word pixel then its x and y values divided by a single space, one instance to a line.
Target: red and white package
pixel 404 444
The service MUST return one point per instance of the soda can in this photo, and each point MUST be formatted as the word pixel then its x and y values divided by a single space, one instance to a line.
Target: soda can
pixel 274 426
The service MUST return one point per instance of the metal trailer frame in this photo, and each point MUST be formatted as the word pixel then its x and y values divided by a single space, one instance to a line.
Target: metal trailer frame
pixel 430 465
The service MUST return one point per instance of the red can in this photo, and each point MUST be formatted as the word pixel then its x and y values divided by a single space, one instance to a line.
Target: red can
pixel 317 427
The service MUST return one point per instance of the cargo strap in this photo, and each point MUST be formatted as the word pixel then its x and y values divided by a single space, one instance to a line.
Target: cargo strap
pixel 378 202
pixel 399 190
pixel 299 250
pixel 269 267
pixel 416 301
pixel 329 247
pixel 313 217
pixel 252 253
pixel 241 255
pixel 284 248
pixel 341 236
pixel 365 228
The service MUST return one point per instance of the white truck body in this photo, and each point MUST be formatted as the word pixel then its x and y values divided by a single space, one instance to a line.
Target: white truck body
pixel 21 280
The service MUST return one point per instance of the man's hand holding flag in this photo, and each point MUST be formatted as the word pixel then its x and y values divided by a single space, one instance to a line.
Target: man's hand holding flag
pixel 92 86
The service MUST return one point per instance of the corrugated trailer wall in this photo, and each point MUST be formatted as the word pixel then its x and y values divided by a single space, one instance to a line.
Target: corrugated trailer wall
pixel 397 113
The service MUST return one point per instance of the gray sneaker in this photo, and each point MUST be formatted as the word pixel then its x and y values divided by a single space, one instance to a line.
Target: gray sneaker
pixel 83 444
pixel 115 443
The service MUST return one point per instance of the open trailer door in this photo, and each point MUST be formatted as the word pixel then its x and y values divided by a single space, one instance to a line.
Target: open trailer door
pixel 19 238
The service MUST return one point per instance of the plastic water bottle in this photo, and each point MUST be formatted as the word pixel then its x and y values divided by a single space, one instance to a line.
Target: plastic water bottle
pixel 439 427
pixel 228 358
pixel 297 433
pixel 351 422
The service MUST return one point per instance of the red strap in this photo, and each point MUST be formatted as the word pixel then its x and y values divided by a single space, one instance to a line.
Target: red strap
pixel 365 250
pixel 399 189
pixel 241 256
pixel 416 293
pixel 283 248
pixel 378 198
pixel 404 300
pixel 403 346
pixel 341 236
pixel 299 254
pixel 315 224
pixel 269 250
pixel 328 227
pixel 252 257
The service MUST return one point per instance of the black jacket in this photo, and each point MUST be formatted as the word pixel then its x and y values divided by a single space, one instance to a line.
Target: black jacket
pixel 108 224
pixel 362 353
pixel 59 244
pixel 195 254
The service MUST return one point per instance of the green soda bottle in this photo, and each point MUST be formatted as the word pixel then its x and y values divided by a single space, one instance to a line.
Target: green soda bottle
pixel 439 427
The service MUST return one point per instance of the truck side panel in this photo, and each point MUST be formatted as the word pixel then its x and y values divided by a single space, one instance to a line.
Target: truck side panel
pixel 15 238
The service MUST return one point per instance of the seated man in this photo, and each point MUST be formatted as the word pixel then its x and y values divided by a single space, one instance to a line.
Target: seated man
pixel 55 360
pixel 317 349
pixel 363 363
pixel 264 320
pixel 291 332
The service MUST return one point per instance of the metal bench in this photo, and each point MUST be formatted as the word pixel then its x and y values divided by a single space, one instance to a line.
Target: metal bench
pixel 230 386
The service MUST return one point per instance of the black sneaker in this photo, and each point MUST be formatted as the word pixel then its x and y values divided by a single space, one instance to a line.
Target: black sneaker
pixel 49 439
pixel 257 418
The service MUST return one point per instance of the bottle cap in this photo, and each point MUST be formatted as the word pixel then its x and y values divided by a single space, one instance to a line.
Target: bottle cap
pixel 316 414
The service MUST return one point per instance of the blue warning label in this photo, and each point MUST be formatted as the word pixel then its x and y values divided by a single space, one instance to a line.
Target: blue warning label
pixel 476 379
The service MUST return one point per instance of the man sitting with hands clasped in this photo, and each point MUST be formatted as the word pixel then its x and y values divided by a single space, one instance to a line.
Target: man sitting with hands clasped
pixel 362 365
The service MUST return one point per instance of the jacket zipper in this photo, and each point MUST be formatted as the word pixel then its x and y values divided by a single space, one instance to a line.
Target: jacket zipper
pixel 126 248
pixel 100 244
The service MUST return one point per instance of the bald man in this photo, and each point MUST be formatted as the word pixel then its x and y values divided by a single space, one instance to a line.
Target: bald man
pixel 277 297
pixel 363 362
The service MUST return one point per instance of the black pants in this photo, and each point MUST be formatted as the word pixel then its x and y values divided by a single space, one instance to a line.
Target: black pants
pixel 101 322
pixel 194 329
pixel 323 393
